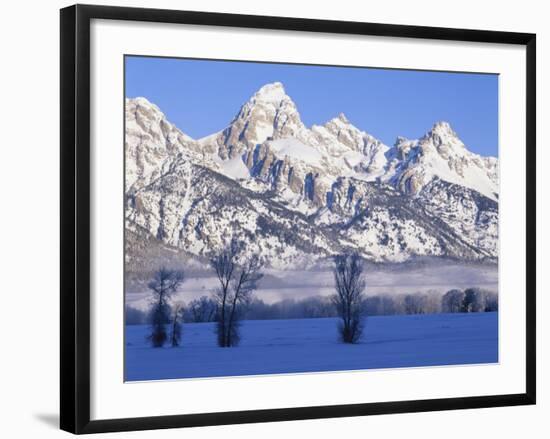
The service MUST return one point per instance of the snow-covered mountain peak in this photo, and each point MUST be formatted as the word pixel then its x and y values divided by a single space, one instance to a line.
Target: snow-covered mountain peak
pixel 340 122
pixel 140 100
pixel 269 114
pixel 344 130
pixel 440 153
pixel 150 140
pixel 443 138
pixel 273 92
pixel 145 112
pixel 298 194
pixel 342 118
pixel 443 127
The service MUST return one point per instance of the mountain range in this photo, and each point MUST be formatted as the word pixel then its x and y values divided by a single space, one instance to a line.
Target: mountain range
pixel 296 195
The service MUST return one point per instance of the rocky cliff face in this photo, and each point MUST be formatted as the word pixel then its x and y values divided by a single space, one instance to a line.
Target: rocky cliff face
pixel 440 153
pixel 296 194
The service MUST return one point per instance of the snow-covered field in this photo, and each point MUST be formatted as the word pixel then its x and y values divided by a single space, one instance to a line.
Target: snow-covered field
pixel 311 345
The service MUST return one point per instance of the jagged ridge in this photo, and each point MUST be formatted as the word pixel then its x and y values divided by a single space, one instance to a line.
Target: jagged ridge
pixel 298 194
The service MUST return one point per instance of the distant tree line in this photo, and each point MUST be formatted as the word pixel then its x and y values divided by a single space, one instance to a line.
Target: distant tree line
pixel 203 309
pixel 469 300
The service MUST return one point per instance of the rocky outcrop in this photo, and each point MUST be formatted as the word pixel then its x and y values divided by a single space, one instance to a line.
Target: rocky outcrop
pixel 297 194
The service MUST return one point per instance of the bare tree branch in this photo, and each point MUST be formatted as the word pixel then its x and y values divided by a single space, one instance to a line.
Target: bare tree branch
pixel 237 282
pixel 349 299
pixel 165 282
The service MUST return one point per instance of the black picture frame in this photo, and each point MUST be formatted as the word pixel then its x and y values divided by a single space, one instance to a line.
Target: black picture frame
pixel 75 217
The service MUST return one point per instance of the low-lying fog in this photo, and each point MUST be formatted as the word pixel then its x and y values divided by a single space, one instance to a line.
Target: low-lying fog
pixel 390 279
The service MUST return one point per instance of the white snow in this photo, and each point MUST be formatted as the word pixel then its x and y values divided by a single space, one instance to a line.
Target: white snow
pixel 208 139
pixel 353 158
pixel 440 153
pixel 295 149
pixel 262 132
pixel 473 177
pixel 311 345
pixel 157 152
pixel 273 93
pixel 235 168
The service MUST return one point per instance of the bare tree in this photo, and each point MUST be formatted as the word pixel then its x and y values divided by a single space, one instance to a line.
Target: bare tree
pixel 164 283
pixel 350 294
pixel 452 301
pixel 491 303
pixel 175 338
pixel 237 282
pixel 415 303
pixel 474 300
pixel 200 310
pixel 224 265
pixel 244 283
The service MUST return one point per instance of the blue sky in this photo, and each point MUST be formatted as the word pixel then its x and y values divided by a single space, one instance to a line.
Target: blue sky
pixel 201 97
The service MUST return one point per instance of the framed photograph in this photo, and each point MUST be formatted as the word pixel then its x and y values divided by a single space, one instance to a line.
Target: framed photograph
pixel 268 219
